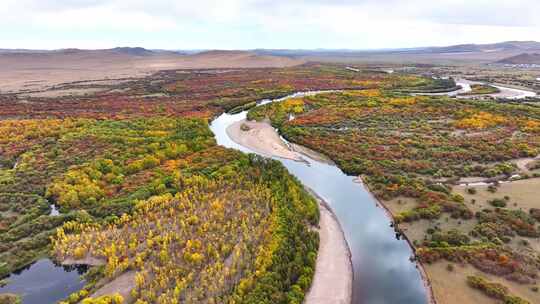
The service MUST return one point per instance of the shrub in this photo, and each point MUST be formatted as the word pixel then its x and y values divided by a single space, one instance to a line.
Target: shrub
pixel 453 237
pixel 8 298
pixel 497 202
pixel 494 290
pixel 471 190
pixel 535 213
pixel 245 127
pixel 492 188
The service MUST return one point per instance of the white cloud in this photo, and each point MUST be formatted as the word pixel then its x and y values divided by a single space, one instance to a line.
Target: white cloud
pixel 266 23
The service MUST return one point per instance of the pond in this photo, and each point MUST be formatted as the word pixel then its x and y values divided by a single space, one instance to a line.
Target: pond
pixel 44 282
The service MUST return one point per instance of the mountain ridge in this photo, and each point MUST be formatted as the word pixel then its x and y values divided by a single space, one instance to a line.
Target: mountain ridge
pixel 468 47
pixel 523 58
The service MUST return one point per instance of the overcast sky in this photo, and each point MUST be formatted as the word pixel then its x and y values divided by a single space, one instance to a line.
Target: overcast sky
pixel 248 24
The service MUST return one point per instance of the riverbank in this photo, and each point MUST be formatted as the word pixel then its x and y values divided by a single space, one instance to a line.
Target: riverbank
pixel 332 282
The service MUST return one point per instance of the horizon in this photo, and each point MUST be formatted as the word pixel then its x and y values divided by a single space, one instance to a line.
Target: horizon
pixel 272 49
pixel 263 24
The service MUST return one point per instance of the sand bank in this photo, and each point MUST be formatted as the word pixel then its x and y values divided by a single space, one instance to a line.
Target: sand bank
pixel 260 137
pixel 332 282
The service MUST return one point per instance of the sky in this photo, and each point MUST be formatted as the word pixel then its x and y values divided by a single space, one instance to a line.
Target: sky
pixel 275 24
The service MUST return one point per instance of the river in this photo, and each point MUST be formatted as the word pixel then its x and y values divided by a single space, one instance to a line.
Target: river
pixel 505 92
pixel 382 270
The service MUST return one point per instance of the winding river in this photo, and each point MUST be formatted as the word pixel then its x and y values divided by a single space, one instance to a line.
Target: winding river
pixel 383 272
pixel 505 92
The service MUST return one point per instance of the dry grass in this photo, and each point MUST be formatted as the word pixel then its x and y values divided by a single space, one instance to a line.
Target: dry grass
pixel 450 287
pixel 39 71
pixel 522 193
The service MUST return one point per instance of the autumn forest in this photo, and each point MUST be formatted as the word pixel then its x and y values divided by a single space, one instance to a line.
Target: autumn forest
pixel 145 195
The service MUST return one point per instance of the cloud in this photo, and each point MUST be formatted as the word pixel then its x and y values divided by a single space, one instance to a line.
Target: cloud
pixel 266 23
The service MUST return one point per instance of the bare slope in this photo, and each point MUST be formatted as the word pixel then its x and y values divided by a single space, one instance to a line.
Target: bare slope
pixel 454 54
pixel 525 58
pixel 36 70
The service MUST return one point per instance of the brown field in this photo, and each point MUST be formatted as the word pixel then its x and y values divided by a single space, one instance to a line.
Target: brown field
pixel 38 71
pixel 450 287
pixel 523 195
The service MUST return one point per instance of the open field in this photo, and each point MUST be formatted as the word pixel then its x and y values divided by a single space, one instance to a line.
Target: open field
pixel 38 71
pixel 202 93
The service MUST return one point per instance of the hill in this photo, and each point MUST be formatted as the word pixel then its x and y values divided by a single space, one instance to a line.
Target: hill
pixel 454 54
pixel 493 47
pixel 524 58
pixel 36 70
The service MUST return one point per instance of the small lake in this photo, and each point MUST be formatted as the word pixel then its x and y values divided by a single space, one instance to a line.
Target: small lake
pixel 44 282
pixel 382 270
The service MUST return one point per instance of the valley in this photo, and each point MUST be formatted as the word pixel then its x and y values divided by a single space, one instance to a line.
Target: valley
pixel 271 183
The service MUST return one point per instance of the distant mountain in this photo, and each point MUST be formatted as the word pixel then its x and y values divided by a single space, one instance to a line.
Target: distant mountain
pixel 129 51
pixel 135 51
pixel 493 47
pixel 222 53
pixel 524 58
pixel 454 54
pixel 462 53
pixel 514 47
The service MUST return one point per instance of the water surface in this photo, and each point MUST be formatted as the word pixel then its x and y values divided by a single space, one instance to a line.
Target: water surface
pixel 44 282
